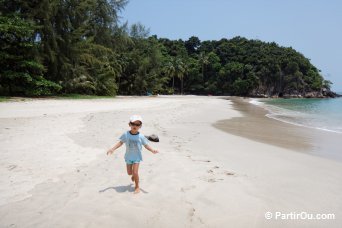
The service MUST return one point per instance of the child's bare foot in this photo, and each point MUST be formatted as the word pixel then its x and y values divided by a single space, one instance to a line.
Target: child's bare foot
pixel 137 190
pixel 132 178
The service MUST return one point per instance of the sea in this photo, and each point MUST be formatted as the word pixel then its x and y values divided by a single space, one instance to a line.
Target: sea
pixel 322 113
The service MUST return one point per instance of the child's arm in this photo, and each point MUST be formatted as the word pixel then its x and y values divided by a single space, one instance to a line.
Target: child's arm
pixel 151 149
pixel 111 150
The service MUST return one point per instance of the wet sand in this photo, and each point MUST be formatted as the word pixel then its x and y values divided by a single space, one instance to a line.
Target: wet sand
pixel 255 125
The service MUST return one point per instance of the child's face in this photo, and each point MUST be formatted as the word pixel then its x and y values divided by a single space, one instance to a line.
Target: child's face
pixel 135 126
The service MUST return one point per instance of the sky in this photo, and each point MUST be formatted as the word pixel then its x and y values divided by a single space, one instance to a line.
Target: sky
pixel 312 27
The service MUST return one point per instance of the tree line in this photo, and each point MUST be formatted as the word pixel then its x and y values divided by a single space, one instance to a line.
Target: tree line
pixel 53 47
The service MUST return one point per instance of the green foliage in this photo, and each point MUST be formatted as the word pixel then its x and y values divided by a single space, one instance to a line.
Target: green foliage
pixel 192 44
pixel 240 87
pixel 20 72
pixel 2 98
pixel 81 96
pixel 79 47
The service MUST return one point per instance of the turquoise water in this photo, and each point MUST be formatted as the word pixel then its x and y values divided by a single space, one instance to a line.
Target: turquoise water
pixel 323 114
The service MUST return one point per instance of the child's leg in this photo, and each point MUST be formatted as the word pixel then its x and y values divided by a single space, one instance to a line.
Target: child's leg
pixel 130 170
pixel 136 177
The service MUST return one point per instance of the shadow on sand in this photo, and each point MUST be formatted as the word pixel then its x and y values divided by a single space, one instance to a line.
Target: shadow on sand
pixel 121 189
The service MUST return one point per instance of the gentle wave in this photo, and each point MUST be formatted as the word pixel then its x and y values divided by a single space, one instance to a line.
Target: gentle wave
pixel 302 125
pixel 294 117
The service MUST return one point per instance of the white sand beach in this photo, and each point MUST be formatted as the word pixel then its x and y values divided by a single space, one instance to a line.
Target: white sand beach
pixel 54 171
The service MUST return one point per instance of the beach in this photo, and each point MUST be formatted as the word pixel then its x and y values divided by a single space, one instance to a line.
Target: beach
pixel 220 164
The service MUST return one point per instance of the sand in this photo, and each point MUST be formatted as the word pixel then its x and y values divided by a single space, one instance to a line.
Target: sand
pixel 54 171
pixel 254 124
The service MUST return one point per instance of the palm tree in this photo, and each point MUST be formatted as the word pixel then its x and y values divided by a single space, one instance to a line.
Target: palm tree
pixel 204 61
pixel 181 70
pixel 170 71
pixel 176 67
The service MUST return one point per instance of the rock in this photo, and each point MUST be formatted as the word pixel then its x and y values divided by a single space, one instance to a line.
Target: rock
pixel 331 94
pixel 313 95
pixel 153 138
pixel 292 96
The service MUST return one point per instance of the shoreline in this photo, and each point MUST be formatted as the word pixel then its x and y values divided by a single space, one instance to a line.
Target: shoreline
pixel 273 113
pixel 257 126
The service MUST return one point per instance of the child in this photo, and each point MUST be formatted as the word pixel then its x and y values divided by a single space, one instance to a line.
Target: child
pixel 134 141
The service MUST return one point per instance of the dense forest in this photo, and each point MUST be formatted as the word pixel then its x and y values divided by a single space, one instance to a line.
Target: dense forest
pixel 51 47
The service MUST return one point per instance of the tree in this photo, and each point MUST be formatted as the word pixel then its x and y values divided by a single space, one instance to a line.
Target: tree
pixel 75 41
pixel 180 71
pixel 327 84
pixel 21 72
pixel 170 70
pixel 204 61
pixel 81 46
pixel 192 44
pixel 139 31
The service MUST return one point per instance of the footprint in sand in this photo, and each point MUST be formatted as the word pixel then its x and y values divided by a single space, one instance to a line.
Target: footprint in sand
pixel 178 147
pixel 197 160
pixel 214 178
pixel 228 173
pixel 225 172
pixel 192 213
pixel 90 118
pixel 11 167
pixel 184 189
pixel 208 179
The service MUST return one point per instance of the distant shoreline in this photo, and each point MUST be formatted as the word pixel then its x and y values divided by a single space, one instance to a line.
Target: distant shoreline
pixel 255 125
